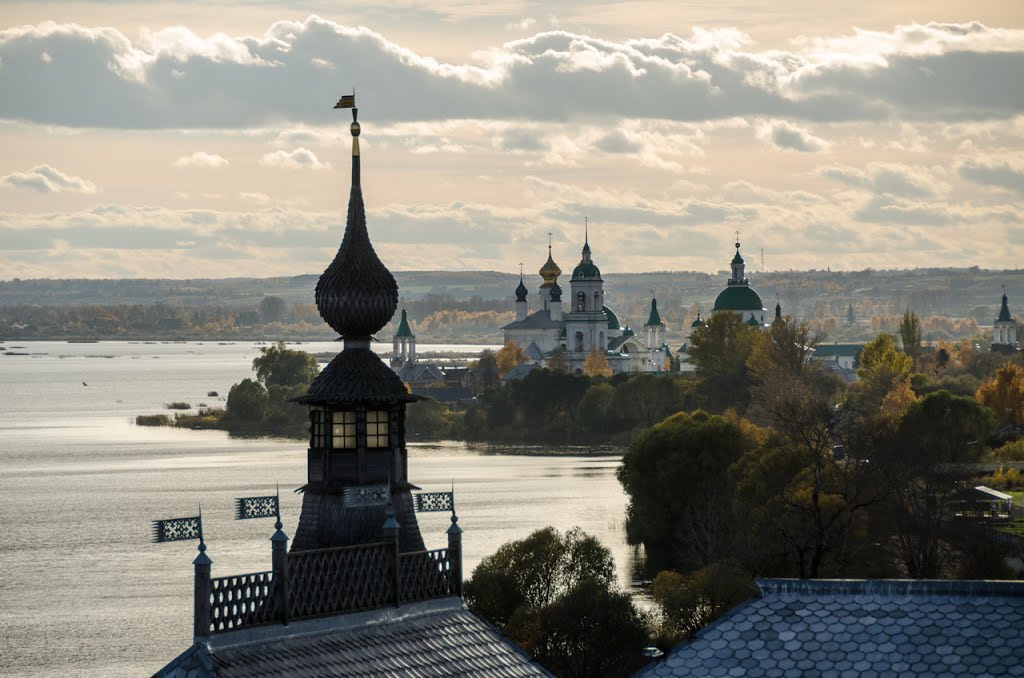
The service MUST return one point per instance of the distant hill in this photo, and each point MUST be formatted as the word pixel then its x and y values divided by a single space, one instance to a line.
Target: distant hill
pixel 484 298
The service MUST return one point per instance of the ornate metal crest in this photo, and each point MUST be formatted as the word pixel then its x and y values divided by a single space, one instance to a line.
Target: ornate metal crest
pixel 177 529
pixel 256 507
pixel 367 495
pixel 434 501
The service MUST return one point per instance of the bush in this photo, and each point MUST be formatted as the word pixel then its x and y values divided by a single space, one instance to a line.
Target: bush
pixel 247 401
pixel 178 405
pixel 1009 452
pixel 153 420
pixel 212 394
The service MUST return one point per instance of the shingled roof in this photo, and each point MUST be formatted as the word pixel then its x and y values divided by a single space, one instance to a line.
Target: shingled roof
pixel 857 627
pixel 432 638
pixel 356 374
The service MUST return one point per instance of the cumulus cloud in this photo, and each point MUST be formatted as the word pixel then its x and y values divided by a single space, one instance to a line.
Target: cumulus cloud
pixel 300 158
pixel 888 179
pixel 175 78
pixel 785 135
pixel 1006 173
pixel 47 179
pixel 201 159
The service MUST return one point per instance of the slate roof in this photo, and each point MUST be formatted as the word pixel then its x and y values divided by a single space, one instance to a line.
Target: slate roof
pixel 445 394
pixel 533 352
pixel 356 374
pixel 538 320
pixel 519 372
pixel 833 350
pixel 861 628
pixel 433 638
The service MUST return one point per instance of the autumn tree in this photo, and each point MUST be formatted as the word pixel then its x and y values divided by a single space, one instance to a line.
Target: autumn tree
pixel 596 364
pixel 1004 394
pixel 510 355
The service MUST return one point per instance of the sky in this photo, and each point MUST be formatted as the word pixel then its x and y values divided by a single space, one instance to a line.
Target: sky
pixel 181 140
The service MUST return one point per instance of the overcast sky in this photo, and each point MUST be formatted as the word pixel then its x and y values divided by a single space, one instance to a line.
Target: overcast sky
pixel 198 140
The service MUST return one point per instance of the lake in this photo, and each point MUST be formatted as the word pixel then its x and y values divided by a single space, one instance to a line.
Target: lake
pixel 84 592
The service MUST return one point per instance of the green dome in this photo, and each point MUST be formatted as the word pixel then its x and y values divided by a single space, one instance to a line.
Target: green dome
pixel 738 298
pixel 613 320
pixel 752 321
pixel 586 269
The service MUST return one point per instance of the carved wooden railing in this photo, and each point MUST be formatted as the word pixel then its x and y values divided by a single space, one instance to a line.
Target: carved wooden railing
pixel 345 579
pixel 425 574
pixel 324 582
pixel 241 600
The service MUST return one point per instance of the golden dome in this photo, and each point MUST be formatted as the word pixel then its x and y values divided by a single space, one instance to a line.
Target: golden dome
pixel 550 271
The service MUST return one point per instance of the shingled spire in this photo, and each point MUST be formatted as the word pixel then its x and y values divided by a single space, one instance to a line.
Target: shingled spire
pixel 357 461
pixel 356 295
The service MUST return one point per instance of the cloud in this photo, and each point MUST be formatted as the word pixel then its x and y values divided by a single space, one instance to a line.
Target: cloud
pixel 176 79
pixel 1007 173
pixel 201 159
pixel 888 179
pixel 46 179
pixel 785 135
pixel 300 158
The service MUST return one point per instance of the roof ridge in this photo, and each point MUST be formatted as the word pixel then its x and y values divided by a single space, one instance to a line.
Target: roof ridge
pixel 890 588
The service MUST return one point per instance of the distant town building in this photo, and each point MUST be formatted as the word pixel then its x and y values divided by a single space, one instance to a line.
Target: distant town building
pixel 357 593
pixel 1004 330
pixel 683 352
pixel 586 325
pixel 403 344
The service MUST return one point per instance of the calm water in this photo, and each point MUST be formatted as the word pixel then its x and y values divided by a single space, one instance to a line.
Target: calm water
pixel 83 592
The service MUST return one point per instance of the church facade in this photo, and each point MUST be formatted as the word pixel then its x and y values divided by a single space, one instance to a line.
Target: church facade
pixel 554 333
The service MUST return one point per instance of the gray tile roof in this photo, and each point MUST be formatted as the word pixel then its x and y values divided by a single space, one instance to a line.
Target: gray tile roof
pixel 861 628
pixel 434 638
pixel 538 320
pixel 356 375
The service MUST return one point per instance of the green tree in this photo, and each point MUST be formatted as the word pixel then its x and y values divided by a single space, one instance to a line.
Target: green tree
pixel 278 365
pixel 719 350
pixel 881 362
pixel 850 317
pixel 596 407
pixel 910 334
pixel 486 369
pixel 427 418
pixel 556 596
pixel 272 309
pixel 676 477
pixel 247 401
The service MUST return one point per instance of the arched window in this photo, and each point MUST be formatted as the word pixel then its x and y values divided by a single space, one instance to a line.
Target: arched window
pixel 602 343
pixel 597 300
pixel 579 340
pixel 581 301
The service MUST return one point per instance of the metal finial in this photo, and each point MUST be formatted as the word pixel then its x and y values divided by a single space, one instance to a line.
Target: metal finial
pixel 277 492
pixel 549 243
pixel 202 542
pixel 737 240
pixel 520 270
pixel 586 230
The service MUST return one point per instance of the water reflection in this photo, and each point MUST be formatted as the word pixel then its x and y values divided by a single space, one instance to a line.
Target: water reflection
pixel 84 592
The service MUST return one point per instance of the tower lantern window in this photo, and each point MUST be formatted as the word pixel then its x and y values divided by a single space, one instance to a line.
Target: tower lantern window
pixel 316 423
pixel 343 430
pixel 377 429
